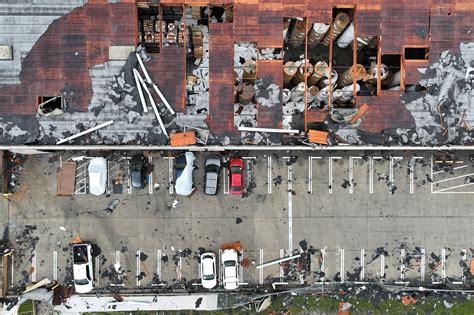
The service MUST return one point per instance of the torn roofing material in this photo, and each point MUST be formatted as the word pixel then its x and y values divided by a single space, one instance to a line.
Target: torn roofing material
pixel 71 58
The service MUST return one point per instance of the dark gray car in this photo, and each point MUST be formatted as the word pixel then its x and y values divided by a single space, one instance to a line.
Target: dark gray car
pixel 211 179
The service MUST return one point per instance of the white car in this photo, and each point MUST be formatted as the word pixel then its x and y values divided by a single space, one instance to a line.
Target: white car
pixel 208 270
pixel 83 272
pixel 97 175
pixel 230 263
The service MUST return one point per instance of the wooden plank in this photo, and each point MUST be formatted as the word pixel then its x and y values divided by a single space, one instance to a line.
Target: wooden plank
pixel 183 138
pixel 66 179
pixel 317 136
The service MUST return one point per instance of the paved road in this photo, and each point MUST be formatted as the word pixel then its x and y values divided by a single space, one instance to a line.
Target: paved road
pixel 363 217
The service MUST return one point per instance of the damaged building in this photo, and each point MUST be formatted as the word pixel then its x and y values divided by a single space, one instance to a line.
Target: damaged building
pixel 253 73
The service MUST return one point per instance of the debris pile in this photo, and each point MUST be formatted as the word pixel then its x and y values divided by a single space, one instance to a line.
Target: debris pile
pixel 14 167
pixel 444 113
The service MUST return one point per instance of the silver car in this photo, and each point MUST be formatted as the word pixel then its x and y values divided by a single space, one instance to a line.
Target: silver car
pixel 211 180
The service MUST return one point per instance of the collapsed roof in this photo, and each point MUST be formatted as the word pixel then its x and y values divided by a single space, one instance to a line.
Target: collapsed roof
pixel 221 67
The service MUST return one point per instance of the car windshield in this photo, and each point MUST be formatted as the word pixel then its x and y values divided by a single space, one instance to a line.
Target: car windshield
pixel 81 281
pixel 80 254
pixel 235 169
pixel 208 277
pixel 229 263
pixel 235 188
pixel 212 168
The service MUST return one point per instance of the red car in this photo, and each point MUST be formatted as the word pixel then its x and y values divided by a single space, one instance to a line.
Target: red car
pixel 236 182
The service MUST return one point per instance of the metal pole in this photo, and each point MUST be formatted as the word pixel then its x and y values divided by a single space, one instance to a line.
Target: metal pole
pixel 274 262
pixel 270 130
pixel 86 132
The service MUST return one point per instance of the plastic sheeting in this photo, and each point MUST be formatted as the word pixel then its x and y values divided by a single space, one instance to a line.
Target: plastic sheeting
pixel 184 183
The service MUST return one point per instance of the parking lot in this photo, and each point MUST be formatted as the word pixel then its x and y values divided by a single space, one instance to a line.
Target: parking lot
pixel 403 219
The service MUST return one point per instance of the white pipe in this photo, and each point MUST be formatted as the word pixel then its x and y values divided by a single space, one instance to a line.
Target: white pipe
pixel 147 76
pixel 153 105
pixel 110 122
pixel 274 262
pixel 140 91
pixel 218 148
pixel 155 87
pixel 269 130
pixel 347 37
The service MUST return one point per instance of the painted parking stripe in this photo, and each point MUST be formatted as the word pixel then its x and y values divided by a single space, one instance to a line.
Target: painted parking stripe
pixel 33 266
pixel 150 177
pixel 330 179
pixel 55 266
pixel 351 172
pixel 423 266
pixel 290 206
pixel 260 276
pixel 310 172
pixel 269 174
pixel 170 174
pixel 342 257
pixel 138 271
pixel 97 270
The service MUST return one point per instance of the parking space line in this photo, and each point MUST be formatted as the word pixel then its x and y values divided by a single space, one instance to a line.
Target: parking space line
pixel 158 264
pixel 382 267
pixel 342 273
pixel 423 267
pixel 241 269
pixel 97 270
pixel 150 176
pixel 411 166
pixel 402 264
pixel 129 180
pixel 310 172
pixel 33 266
pixel 221 269
pixel 269 174
pixel 282 274
pixel 451 178
pixel 330 180
pixel 260 276
pixel 446 190
pixel 443 264
pixel 351 172
pixel 362 265
pixel 137 274
pixel 55 266
pixel 249 173
pixel 225 176
pixel 12 271
pixel 180 267
pixel 371 171
pixel 432 175
pixel 170 174
pixel 371 175
pixel 290 207
pixel 391 171
pixel 323 263
pixel 460 167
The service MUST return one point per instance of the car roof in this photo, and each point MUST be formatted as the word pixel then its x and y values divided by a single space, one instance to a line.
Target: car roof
pixel 208 265
pixel 229 254
pixel 213 160
pixel 80 271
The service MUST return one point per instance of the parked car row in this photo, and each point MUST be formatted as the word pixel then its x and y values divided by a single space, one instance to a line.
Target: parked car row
pixel 184 167
pixel 83 270
pixel 212 168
